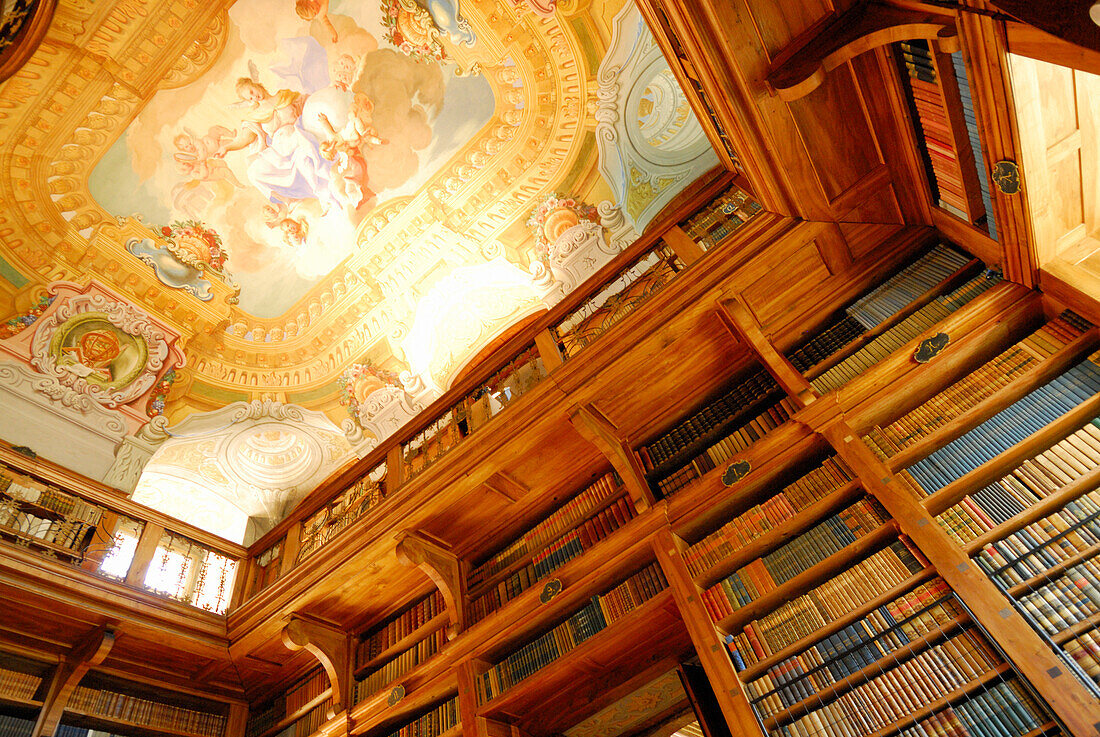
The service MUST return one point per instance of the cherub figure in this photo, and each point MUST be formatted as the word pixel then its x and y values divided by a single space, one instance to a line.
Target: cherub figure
pixel 294 230
pixel 345 149
pixel 316 9
pixel 207 175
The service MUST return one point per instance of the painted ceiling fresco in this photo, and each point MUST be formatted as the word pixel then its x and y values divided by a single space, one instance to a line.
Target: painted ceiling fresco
pixel 324 204
pixel 307 122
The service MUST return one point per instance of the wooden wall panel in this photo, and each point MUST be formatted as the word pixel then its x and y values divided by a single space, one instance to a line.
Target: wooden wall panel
pixel 804 270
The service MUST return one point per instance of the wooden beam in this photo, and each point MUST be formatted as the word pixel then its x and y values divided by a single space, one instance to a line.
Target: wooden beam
pixel 681 243
pixel 597 429
pixel 143 554
pixel 331 646
pixel 416 550
pixel 801 68
pixel 1069 700
pixel 735 315
pixel 507 487
pixel 90 652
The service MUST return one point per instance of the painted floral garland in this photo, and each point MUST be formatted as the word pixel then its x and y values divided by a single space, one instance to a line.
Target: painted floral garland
pixel 177 231
pixel 155 405
pixel 399 17
pixel 19 323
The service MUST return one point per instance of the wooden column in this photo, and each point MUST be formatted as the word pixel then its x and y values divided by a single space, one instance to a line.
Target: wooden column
pixel 143 554
pixel 1073 704
pixel 668 549
pixel 237 721
pixel 433 556
pixel 594 427
pixel 987 65
pixel 90 652
pixel 332 648
pixel 468 671
pixel 292 543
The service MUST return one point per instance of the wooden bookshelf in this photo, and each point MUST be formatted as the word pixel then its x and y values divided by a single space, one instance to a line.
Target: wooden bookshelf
pixel 883 664
pixel 782 534
pixel 972 268
pixel 434 624
pixel 297 714
pixel 810 577
pixel 122 726
pixel 27 708
pixel 541 544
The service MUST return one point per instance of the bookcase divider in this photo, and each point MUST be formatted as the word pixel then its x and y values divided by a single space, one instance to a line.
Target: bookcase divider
pixel 1066 696
pixel 594 426
pixel 728 689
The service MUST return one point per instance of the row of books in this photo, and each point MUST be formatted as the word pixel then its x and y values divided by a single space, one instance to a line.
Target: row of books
pixel 934 129
pixel 859 645
pixel 901 691
pixel 71 730
pixel 720 217
pixel 1012 425
pixel 114 705
pixel 908 285
pixel 434 723
pixel 309 722
pixel 757 521
pixel 727 447
pixel 24 488
pixel 594 617
pixel 68 534
pixel 381 638
pixel 16 685
pixel 969 391
pixel 393 669
pixel 821 541
pixel 553 557
pixel 293 700
pixel 15 727
pixel 884 344
pixel 1004 709
pixel 1060 539
pixel 564 519
pixel 1084 649
pixel 1069 599
pixel 971 119
pixel 713 418
pixel 826 343
pixel 831 600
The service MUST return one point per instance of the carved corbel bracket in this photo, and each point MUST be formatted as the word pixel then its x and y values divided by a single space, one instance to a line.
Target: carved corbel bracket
pixel 416 550
pixel 332 648
pixel 801 68
pixel 595 427
pixel 89 653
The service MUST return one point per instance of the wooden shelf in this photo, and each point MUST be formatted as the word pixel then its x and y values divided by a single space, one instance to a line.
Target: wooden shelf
pixel 28 708
pixel 835 690
pixel 32 541
pixel 484 586
pixel 1083 626
pixel 615 648
pixel 784 533
pixel 803 582
pixel 435 623
pixel 286 721
pixel 112 724
pixel 1046 506
pixel 947 284
pixel 1047 370
pixel 1005 462
pixel 761 667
